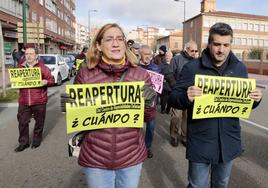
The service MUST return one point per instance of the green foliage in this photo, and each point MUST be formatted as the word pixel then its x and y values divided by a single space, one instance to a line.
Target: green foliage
pixel 11 95
pixel 255 53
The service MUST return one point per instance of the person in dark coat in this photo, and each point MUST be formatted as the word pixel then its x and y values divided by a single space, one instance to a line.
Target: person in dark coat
pixel 179 117
pixel 161 55
pixel 81 58
pixel 168 84
pixel 212 143
pixel 14 56
pixel 20 55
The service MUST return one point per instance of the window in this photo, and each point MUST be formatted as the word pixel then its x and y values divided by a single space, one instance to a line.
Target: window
pixel 256 27
pixel 250 26
pixel 266 28
pixel 262 27
pixel 255 42
pixel 238 26
pixel 245 26
pixel 237 41
pixel 50 5
pixel 41 21
pixel 206 23
pixel 266 43
pixel 34 17
pixel 243 41
pixel 232 24
pixel 205 39
pixel 250 42
pixel 51 25
pixel 261 42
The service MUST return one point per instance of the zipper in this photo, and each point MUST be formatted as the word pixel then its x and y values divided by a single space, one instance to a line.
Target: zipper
pixel 113 147
pixel 29 97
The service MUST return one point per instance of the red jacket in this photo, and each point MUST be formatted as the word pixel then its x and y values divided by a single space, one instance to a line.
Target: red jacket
pixel 112 148
pixel 34 96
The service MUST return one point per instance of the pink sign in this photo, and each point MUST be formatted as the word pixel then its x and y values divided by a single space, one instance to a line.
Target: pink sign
pixel 157 80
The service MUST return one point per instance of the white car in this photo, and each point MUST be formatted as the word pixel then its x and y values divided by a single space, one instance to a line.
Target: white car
pixel 57 65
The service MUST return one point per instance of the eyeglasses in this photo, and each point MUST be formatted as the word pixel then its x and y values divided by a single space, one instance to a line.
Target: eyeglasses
pixel 194 51
pixel 110 40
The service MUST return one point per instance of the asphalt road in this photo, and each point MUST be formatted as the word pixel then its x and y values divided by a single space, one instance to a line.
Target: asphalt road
pixel 50 167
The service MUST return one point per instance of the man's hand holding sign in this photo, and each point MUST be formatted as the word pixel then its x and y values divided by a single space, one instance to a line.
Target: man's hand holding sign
pixel 222 96
pixel 26 77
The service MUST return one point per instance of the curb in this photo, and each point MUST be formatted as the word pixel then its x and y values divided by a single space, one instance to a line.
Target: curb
pixel 261 86
pixel 16 104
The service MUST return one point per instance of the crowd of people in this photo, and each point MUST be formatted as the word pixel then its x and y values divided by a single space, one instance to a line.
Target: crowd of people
pixel 110 161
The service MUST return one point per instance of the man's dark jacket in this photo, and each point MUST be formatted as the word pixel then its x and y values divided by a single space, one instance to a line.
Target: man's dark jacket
pixel 209 140
pixel 177 63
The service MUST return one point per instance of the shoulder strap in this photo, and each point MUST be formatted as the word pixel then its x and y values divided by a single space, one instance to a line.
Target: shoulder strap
pixel 123 76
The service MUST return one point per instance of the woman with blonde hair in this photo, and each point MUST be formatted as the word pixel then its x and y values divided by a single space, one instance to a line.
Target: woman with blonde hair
pixel 113 157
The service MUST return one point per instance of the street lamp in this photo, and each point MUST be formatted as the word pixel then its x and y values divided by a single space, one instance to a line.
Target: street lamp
pixel 184 11
pixel 89 11
pixel 24 22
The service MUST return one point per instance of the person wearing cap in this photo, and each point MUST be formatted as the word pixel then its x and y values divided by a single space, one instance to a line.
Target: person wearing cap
pixel 32 101
pixel 130 42
pixel 135 48
pixel 161 55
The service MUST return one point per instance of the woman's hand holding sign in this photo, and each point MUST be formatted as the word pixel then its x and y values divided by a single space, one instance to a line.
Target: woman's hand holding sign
pixel 65 98
pixel 149 95
pixel 256 94
pixel 192 92
pixel 44 82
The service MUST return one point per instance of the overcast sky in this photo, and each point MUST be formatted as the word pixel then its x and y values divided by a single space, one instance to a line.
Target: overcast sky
pixel 159 13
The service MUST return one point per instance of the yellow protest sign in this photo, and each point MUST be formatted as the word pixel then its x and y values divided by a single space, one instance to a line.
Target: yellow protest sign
pixel 25 77
pixel 78 63
pixel 108 105
pixel 223 97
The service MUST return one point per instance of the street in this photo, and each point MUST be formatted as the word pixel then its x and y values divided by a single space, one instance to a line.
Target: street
pixel 50 167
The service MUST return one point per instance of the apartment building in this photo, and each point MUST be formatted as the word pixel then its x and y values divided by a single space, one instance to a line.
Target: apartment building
pixel 148 35
pixel 173 42
pixel 56 17
pixel 250 31
pixel 82 36
pixel 10 14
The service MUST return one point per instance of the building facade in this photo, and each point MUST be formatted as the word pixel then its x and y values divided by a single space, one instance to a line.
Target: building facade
pixel 250 31
pixel 10 15
pixel 148 35
pixel 173 42
pixel 82 36
pixel 55 17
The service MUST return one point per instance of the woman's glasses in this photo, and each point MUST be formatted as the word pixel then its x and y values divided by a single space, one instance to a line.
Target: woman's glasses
pixel 111 40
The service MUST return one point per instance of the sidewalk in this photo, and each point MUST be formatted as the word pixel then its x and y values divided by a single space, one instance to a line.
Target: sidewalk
pixel 262 80
pixel 7 81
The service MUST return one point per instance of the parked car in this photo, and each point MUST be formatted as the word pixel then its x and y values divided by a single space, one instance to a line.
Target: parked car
pixel 9 59
pixel 70 61
pixel 58 66
pixel 73 54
